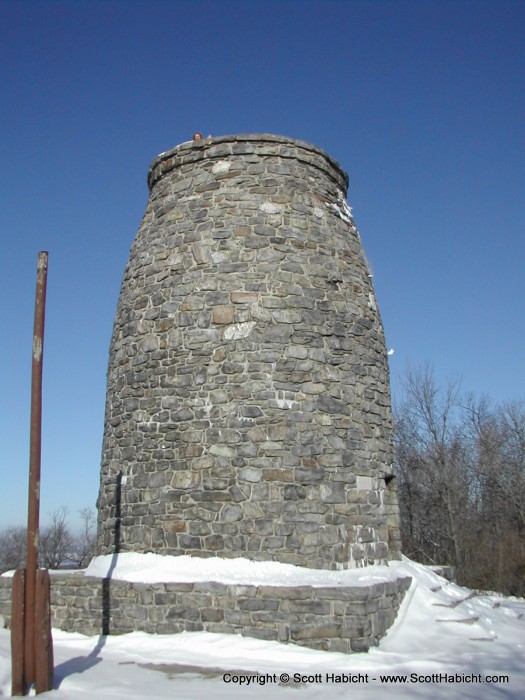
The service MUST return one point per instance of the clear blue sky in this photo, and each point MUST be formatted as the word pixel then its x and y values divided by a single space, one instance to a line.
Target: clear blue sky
pixel 421 101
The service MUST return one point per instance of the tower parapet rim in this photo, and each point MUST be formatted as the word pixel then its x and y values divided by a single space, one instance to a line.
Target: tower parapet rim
pixel 244 144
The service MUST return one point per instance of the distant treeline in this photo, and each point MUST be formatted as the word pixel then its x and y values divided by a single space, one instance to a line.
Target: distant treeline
pixel 461 482
pixel 58 546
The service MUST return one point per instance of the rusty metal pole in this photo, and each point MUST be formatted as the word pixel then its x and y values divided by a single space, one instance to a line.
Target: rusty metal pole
pixel 43 637
pixel 33 509
pixel 18 686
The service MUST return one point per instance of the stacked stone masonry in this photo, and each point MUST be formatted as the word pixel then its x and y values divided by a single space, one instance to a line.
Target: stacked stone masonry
pixel 344 619
pixel 248 407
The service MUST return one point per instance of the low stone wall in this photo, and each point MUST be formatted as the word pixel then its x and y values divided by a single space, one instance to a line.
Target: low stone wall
pixel 343 618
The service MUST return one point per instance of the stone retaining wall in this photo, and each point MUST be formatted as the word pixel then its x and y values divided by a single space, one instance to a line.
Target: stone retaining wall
pixel 345 619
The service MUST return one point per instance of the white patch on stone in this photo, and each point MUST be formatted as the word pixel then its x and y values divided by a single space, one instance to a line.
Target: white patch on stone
pixel 364 483
pixel 324 492
pixel 282 401
pixel 372 302
pixel 222 166
pixel 319 213
pixel 207 407
pixel 381 493
pixel 342 210
pixel 222 451
pixel 270 208
pixel 347 209
pixel 338 209
pixel 219 257
pixel 239 330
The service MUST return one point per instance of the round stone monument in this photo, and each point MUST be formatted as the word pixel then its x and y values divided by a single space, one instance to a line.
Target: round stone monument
pixel 248 408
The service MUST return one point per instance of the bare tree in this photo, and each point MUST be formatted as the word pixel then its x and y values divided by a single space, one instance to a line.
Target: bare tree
pixel 512 426
pixel 461 474
pixel 13 543
pixel 56 540
pixel 86 540
pixel 431 468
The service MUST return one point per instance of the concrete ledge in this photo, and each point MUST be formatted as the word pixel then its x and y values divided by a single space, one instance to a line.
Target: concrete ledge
pixel 339 618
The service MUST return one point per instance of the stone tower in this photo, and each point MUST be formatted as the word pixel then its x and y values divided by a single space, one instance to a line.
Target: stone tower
pixel 248 407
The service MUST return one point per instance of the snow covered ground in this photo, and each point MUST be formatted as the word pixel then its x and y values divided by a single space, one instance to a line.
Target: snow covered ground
pixel 447 641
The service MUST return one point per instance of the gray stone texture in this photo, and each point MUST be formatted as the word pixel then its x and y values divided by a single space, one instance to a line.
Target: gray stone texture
pixel 248 408
pixel 343 618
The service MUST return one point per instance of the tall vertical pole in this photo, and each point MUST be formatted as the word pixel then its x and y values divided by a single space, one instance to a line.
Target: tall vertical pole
pixel 33 510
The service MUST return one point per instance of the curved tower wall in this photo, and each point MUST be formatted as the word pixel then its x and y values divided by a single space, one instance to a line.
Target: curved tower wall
pixel 248 408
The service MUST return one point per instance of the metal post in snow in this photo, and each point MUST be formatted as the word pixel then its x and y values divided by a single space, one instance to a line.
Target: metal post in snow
pixel 33 510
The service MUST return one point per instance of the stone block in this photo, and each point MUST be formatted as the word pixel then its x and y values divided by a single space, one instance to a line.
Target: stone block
pixel 301 631
pixel 258 604
pixel 223 314
pixel 212 615
pixel 242 297
pixel 317 607
pixel 231 513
